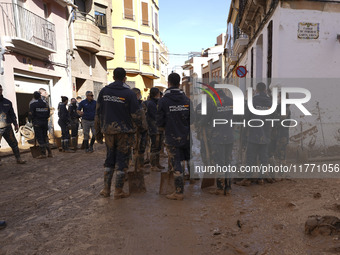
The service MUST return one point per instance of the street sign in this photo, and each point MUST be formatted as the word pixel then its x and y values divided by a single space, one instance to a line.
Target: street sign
pixel 241 71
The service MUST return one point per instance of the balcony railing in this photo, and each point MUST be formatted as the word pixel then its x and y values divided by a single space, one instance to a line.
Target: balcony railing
pixel 130 59
pixel 145 22
pixel 21 23
pixel 78 15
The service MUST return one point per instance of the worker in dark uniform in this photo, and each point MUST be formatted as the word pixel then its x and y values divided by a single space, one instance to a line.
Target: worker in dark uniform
pixel 258 138
pixel 155 135
pixel 118 115
pixel 74 118
pixel 173 116
pixel 87 110
pixel 221 137
pixel 40 112
pixel 7 118
pixel 141 137
pixel 64 123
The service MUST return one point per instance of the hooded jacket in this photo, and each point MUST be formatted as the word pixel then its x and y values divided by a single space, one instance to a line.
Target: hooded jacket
pixel 118 110
pixel 173 114
pixel 7 115
pixel 40 111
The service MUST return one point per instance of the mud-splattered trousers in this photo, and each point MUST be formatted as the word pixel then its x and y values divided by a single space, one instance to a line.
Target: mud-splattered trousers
pixel 118 152
pixel 40 131
pixel 176 156
pixel 65 132
pixel 8 134
pixel 221 155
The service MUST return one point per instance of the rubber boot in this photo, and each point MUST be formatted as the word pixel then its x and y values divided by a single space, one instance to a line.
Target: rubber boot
pixel 43 152
pixel 2 224
pixel 91 144
pixel 17 155
pixel 120 179
pixel 108 173
pixel 219 187
pixel 86 144
pixel 179 185
pixel 158 165
pixel 66 144
pixel 49 151
pixel 74 143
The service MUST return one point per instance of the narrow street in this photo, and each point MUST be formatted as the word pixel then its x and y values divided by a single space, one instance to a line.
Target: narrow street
pixel 52 206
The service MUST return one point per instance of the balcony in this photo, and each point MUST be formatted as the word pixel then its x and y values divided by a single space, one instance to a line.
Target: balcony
pixel 25 32
pixel 232 57
pixel 240 43
pixel 107 47
pixel 86 32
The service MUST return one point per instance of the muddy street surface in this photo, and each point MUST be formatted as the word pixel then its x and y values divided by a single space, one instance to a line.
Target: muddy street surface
pixel 52 206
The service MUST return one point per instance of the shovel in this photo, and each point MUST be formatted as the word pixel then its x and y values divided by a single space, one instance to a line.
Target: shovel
pixel 167 183
pixel 35 150
pixel 207 181
pixel 136 180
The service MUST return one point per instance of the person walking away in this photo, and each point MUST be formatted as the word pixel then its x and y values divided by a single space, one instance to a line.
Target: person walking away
pixel 156 136
pixel 258 138
pixel 117 116
pixel 173 116
pixel 221 137
pixel 40 112
pixel 141 137
pixel 87 110
pixel 74 117
pixel 7 118
pixel 64 123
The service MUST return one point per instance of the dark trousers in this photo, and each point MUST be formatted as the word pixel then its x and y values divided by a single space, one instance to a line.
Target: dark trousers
pixel 40 131
pixel 65 132
pixel 177 155
pixel 221 155
pixel 257 152
pixel 118 152
pixel 156 143
pixel 140 145
pixel 9 136
pixel 74 128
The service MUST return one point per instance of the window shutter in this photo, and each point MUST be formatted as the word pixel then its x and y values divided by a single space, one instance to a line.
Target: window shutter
pixel 145 14
pixel 130 50
pixel 146 53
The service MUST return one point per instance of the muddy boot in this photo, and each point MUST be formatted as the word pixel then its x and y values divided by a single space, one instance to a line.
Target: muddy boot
pixel 66 146
pixel 0 162
pixel 86 144
pixel 91 145
pixel 17 155
pixel 43 152
pixel 244 182
pixel 140 164
pixel 2 224
pixel 260 182
pixel 179 185
pixel 108 173
pixel 74 143
pixel 120 179
pixel 158 165
pixel 219 187
pixel 49 151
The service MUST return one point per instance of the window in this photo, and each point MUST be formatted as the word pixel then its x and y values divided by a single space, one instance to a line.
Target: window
pixel 145 14
pixel 146 53
pixel 130 50
pixel 128 10
pixel 156 22
pixel 100 15
pixel 154 58
pixel 152 19
pixel 157 59
pixel 270 51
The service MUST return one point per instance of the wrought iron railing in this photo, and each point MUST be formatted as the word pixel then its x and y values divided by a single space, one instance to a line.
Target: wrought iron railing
pixel 78 15
pixel 128 14
pixel 21 23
